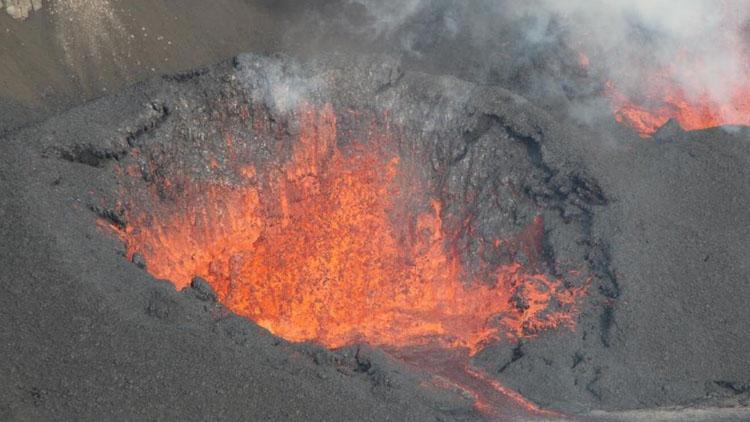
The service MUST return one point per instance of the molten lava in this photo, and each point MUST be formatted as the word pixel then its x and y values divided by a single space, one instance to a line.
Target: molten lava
pixel 338 244
pixel 665 99
pixel 698 88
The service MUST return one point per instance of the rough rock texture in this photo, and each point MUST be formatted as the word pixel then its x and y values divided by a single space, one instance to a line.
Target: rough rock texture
pixel 677 248
pixel 661 228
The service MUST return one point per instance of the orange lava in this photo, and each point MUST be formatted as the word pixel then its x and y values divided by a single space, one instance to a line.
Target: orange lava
pixel 338 244
pixel 666 99
pixel 699 89
pixel 451 370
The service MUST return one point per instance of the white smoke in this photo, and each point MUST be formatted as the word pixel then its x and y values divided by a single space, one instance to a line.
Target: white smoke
pixel 276 83
pixel 700 41
pixel 701 44
pixel 387 16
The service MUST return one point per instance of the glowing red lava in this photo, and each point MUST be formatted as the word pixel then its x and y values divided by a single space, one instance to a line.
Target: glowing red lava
pixel 339 245
pixel 665 99
pixel 699 89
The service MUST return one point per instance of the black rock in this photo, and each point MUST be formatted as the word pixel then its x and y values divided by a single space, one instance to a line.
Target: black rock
pixel 669 131
pixel 202 290
pixel 139 261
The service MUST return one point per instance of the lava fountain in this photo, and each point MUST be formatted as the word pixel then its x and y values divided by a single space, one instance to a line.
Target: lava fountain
pixel 336 244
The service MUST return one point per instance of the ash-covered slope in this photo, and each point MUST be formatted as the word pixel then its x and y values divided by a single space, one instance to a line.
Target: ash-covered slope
pixel 680 242
pixel 656 231
pixel 677 243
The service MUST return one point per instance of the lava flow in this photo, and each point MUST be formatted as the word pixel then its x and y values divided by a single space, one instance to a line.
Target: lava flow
pixel 699 89
pixel 338 245
pixel 665 99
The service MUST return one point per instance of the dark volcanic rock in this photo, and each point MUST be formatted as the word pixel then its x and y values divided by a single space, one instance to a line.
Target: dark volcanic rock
pixel 139 261
pixel 203 290
pixel 657 231
pixel 676 253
